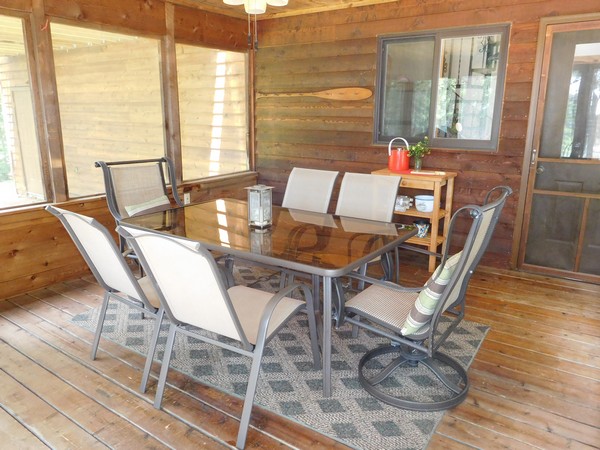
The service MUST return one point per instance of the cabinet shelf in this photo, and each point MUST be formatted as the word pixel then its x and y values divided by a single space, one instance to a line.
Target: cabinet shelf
pixel 433 181
pixel 426 241
pixel 413 212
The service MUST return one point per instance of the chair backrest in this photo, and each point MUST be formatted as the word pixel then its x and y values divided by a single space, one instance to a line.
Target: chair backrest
pixel 138 186
pixel 101 253
pixel 309 189
pixel 484 220
pixel 368 196
pixel 189 283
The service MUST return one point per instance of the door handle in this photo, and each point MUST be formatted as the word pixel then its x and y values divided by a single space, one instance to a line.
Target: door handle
pixel 540 170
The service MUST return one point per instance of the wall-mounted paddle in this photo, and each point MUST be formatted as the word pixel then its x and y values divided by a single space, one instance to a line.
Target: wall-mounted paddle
pixel 350 93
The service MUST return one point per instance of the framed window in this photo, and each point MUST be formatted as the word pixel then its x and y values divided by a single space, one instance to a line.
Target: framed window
pixel 111 105
pixel 447 85
pixel 213 108
pixel 21 173
pixel 110 98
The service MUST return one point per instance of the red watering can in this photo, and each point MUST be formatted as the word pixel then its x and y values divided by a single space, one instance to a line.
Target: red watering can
pixel 398 159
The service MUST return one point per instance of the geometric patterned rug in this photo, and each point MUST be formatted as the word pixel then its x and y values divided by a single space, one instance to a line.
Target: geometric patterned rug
pixel 288 383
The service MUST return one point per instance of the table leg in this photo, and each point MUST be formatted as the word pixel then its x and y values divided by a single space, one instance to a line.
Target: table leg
pixel 326 339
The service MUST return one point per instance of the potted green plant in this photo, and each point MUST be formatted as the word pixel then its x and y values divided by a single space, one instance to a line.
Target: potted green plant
pixel 418 150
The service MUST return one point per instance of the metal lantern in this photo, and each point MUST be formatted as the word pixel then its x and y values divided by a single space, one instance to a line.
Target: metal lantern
pixel 260 210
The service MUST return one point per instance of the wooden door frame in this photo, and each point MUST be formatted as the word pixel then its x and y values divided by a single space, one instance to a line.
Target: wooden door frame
pixel 518 247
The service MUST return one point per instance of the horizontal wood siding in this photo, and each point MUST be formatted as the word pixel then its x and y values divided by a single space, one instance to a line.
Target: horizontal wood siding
pixel 339 49
pixel 36 251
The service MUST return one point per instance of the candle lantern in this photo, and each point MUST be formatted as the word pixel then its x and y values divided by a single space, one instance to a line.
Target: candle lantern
pixel 260 210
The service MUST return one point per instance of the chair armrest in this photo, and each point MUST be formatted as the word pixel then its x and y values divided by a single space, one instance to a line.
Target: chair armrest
pixel 387 284
pixel 413 248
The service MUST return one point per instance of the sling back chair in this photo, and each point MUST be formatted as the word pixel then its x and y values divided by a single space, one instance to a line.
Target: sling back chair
pixel 110 269
pixel 411 317
pixel 309 189
pixel 369 197
pixel 139 187
pixel 196 298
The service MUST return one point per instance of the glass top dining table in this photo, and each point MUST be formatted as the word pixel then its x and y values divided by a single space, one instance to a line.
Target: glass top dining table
pixel 316 244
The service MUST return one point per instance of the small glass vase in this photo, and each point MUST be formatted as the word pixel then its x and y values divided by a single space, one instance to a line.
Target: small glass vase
pixel 418 163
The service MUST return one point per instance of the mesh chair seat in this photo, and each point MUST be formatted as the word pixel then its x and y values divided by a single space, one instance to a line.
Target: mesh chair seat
pixel 246 301
pixel 386 307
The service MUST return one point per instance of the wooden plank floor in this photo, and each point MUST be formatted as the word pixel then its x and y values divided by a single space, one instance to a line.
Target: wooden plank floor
pixel 535 383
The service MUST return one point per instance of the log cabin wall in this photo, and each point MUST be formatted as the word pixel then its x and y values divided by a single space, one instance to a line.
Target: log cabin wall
pixel 35 251
pixel 339 49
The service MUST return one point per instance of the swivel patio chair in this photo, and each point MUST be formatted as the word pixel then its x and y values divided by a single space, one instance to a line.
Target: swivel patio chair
pixel 196 298
pixel 411 317
pixel 110 269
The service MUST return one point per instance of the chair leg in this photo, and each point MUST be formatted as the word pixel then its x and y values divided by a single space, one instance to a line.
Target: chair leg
pixel 316 282
pixel 229 262
pixel 152 349
pixel 312 326
pixel 100 325
pixel 282 280
pixel 162 379
pixel 250 393
pixel 388 267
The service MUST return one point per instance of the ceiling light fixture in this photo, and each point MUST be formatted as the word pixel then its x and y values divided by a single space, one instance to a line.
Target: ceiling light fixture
pixel 256 6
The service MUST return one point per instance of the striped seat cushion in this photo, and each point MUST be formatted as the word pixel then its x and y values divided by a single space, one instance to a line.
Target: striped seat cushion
pixel 428 298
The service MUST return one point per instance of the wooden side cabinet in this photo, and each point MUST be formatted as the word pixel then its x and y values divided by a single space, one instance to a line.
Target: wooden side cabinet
pixel 435 181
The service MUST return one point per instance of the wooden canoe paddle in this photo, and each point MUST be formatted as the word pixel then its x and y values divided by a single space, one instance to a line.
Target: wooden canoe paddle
pixel 350 93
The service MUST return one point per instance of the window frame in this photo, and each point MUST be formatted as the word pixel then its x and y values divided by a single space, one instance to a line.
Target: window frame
pixel 438 36
pixel 37 111
pixel 40 59
pixel 248 107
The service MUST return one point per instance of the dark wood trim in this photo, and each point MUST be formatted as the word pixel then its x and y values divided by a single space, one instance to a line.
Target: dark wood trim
pixel 170 89
pixel 46 78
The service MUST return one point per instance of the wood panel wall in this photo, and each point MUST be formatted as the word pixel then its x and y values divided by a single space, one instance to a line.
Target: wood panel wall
pixel 35 251
pixel 339 49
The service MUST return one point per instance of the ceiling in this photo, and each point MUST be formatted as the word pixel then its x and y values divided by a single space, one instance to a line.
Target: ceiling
pixel 294 7
pixel 65 38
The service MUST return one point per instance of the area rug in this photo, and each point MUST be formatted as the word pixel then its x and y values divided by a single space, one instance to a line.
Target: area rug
pixel 289 385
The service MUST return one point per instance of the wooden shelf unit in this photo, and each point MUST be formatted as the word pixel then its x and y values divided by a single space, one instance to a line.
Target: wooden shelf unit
pixel 435 181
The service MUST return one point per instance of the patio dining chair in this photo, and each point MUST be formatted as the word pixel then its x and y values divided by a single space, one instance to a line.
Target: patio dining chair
pixel 309 189
pixel 110 269
pixel 197 300
pixel 369 197
pixel 418 321
pixel 137 187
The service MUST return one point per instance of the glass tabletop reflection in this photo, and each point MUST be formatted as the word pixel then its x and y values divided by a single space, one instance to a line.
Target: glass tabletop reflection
pixel 316 243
